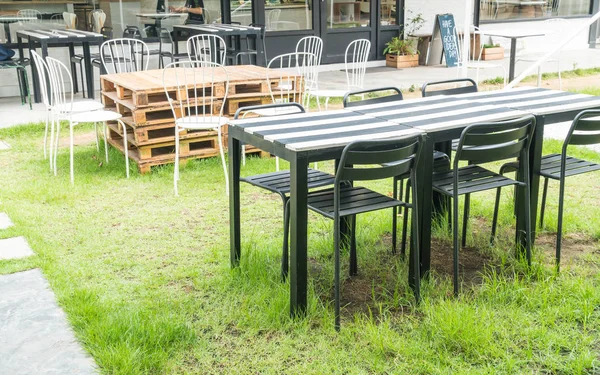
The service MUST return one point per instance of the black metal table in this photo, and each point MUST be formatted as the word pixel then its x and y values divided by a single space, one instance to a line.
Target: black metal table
pixel 513 35
pixel 224 31
pixel 7 20
pixel 60 38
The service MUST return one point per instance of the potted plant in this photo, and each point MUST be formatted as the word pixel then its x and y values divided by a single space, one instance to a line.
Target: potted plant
pixel 492 52
pixel 401 52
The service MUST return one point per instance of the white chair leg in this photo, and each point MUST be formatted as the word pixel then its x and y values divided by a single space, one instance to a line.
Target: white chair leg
pixel 176 171
pixel 97 142
pixel 539 80
pixel 71 152
pixel 244 155
pixel 46 134
pixel 51 144
pixel 55 146
pixel 318 102
pixel 106 142
pixel 276 163
pixel 125 147
pixel 326 102
pixel 559 77
pixel 224 162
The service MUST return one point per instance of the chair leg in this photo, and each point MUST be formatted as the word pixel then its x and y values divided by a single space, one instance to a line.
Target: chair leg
pixel 276 163
pixel 455 241
pixel 106 142
pixel 50 120
pixel 353 256
pixel 495 219
pixel 336 277
pixel 224 162
pixel 561 201
pixel 286 231
pixel 176 169
pixel 56 145
pixel 82 80
pixel 71 152
pixel 559 77
pixel 415 239
pixel 528 227
pixel 405 221
pixel 466 219
pixel 326 102
pixel 46 135
pixel 539 77
pixel 97 140
pixel 125 147
pixel 394 217
pixel 543 208
pixel 244 155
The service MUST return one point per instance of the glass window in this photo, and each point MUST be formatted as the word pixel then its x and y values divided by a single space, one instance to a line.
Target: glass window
pixel 288 15
pixel 388 12
pixel 241 11
pixel 344 14
pixel 528 9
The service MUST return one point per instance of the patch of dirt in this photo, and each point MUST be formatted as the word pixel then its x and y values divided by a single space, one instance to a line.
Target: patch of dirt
pixel 574 246
pixel 82 139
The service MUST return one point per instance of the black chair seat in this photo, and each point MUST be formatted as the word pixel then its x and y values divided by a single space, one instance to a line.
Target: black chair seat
pixel 471 179
pixel 353 200
pixel 279 182
pixel 551 166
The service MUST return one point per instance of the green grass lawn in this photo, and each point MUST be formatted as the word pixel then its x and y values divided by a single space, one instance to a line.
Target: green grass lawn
pixel 144 277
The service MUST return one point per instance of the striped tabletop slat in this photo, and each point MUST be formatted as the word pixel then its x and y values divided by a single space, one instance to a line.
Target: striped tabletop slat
pixel 534 100
pixel 321 130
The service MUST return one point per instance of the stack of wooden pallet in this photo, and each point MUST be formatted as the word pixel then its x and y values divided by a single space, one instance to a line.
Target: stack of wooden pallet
pixel 140 97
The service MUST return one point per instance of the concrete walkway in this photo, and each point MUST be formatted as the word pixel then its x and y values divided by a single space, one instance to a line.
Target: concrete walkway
pixel 35 337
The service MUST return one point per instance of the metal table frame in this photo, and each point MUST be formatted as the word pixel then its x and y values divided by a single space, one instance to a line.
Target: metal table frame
pixel 513 46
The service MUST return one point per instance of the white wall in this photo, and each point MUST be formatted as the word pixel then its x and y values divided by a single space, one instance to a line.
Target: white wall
pixel 429 8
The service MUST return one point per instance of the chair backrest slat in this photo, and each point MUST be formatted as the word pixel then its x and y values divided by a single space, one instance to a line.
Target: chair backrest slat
pixel 470 86
pixel 378 159
pixel 279 109
pixel 207 48
pixel 396 96
pixel 284 85
pixel 42 73
pixel 584 130
pixel 591 124
pixel 61 84
pixel 584 139
pixel 481 143
pixel 356 56
pixel 124 55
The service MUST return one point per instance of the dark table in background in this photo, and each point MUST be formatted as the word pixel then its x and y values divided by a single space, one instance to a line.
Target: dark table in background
pixel 60 38
pixel 225 31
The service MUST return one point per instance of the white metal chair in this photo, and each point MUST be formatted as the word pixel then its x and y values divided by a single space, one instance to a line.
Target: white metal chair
pixel 197 109
pixel 207 48
pixel 63 109
pixel 70 20
pixel 76 106
pixel 476 63
pixel 273 22
pixel 557 26
pixel 313 45
pixel 30 13
pixel 357 54
pixel 124 55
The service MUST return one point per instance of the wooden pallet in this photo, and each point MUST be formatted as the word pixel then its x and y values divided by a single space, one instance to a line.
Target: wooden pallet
pixel 155 134
pixel 232 105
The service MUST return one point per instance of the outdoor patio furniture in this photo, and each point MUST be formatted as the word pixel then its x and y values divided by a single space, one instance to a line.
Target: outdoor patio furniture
pixel 356 56
pixel 583 131
pixel 236 57
pixel 62 109
pixel 441 160
pixel 30 15
pixel 313 45
pixel 124 55
pixel 225 31
pixel 95 57
pixel 166 49
pixel 20 67
pixel 484 143
pixel 207 48
pixel 55 37
pixel 199 109
pixel 378 160
pixel 476 63
pixel 279 182
pixel 469 86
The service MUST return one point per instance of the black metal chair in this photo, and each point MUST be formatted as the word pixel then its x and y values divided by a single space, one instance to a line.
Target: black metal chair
pixel 368 161
pixel 20 67
pixel 95 60
pixel 583 131
pixel 470 86
pixel 279 182
pixel 441 161
pixel 166 39
pixel 236 57
pixel 485 143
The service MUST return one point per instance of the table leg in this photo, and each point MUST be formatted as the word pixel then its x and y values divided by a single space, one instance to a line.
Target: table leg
pixel 89 70
pixel 235 150
pixel 34 79
pixel 73 67
pixel 424 179
pixel 298 231
pixel 511 65
pixel 7 32
pixel 535 162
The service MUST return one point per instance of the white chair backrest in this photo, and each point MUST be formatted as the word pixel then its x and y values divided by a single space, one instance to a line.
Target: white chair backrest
pixel 61 86
pixel 207 48
pixel 307 65
pixel 357 54
pixel 273 18
pixel 311 44
pixel 98 17
pixel 283 85
pixel 123 55
pixel 42 73
pixel 30 13
pixel 70 20
pixel 196 85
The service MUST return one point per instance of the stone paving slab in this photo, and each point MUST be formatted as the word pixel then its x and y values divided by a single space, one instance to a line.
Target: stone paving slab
pixel 4 145
pixel 14 248
pixel 35 337
pixel 5 221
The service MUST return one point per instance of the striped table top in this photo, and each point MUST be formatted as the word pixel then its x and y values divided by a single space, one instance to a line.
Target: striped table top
pixel 321 130
pixel 218 28
pixel 58 34
pixel 535 100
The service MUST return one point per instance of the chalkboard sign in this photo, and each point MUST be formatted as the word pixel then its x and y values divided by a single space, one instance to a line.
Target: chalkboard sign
pixel 443 41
